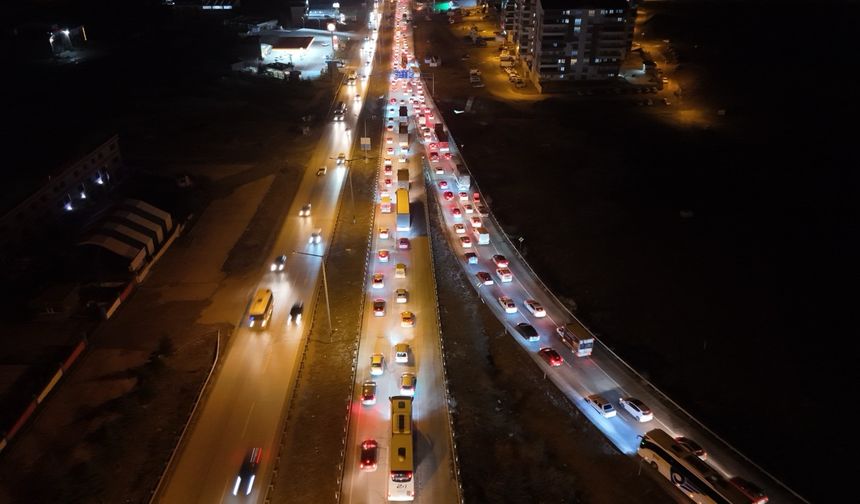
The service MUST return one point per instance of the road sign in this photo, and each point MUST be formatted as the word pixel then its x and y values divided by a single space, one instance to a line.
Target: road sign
pixel 365 143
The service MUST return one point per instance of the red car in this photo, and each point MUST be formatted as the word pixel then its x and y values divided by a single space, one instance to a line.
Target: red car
pixel 500 261
pixel 448 195
pixel 369 449
pixel 551 356
pixel 750 489
pixel 456 212
pixel 447 155
pixel 443 184
pixel 388 182
pixel 403 243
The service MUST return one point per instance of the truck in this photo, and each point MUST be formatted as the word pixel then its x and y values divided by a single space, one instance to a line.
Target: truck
pixel 576 337
pixel 403 179
pixel 481 235
pixel 403 219
pixel 464 181
pixel 404 136
pixel 442 138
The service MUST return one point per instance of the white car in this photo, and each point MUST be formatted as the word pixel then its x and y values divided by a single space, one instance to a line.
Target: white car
pixel 383 233
pixel 535 308
pixel 377 364
pixel 507 304
pixel 601 405
pixel 401 295
pixel 636 408
pixel 504 275
pixel 475 221
pixel 465 242
pixel 316 237
pixel 459 228
pixel 468 208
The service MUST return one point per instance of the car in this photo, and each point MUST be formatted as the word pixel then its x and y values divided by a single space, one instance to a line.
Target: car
pixel 383 255
pixel 341 158
pixel 389 140
pixel 316 237
pixel 464 196
pixel 393 101
pixel 377 364
pixel 390 150
pixel 459 228
pixel 446 155
pixel 368 393
pixel 551 356
pixel 369 451
pixel 482 210
pixel 296 311
pixel 387 182
pixel 357 98
pixel 527 331
pixel 448 196
pixel 403 243
pixel 378 280
pixel 401 158
pixel 378 307
pixel 390 127
pixel 401 296
pixel 456 213
pixel 535 308
pixel 401 353
pixel 279 263
pixel 636 408
pixel 666 101
pixel 501 261
pixel 443 184
pixel 755 494
pixel 400 270
pixel 305 211
pixel 407 319
pixel 601 405
pixel 692 447
pixel 468 208
pixel 507 304
pixel 484 278
pixel 465 242
pixel 383 233
pixel 471 257
pixel 244 483
pixel 505 275
pixel 475 221
pixel 407 384
pixel 322 171
pixel 388 170
pixel 434 157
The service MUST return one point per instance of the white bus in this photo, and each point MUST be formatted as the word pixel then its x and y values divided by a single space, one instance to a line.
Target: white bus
pixel 401 481
pixel 690 474
pixel 261 309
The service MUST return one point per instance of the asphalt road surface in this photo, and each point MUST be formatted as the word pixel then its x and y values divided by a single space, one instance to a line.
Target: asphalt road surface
pixel 247 398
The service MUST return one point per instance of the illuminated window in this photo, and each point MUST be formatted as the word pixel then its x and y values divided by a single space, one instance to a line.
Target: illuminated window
pixel 577 22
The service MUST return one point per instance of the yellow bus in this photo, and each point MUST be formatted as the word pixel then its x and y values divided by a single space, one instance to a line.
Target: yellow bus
pixel 261 309
pixel 401 483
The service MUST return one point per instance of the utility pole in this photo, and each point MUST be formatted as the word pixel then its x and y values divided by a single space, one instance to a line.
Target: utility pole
pixel 325 288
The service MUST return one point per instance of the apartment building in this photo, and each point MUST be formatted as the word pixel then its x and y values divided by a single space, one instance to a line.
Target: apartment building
pixel 559 41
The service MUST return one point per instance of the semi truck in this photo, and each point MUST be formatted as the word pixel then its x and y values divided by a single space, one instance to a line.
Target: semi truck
pixel 464 181
pixel 442 138
pixel 403 179
pixel 403 218
pixel 404 137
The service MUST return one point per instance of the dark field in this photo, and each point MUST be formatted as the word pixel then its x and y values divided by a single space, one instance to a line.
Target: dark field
pixel 739 307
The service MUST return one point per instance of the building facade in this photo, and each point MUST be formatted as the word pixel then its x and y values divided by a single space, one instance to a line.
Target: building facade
pixel 558 41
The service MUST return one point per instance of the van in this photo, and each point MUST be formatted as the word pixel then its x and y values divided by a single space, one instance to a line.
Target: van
pixel 339 111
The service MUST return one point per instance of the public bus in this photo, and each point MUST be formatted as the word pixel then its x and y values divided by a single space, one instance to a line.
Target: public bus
pixel 580 346
pixel 690 474
pixel 401 481
pixel 261 309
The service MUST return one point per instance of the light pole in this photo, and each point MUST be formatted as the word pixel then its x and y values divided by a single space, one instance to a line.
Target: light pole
pixel 325 288
pixel 331 28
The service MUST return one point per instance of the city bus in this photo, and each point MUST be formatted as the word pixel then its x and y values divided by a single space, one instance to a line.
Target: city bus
pixel 580 346
pixel 690 474
pixel 261 309
pixel 401 483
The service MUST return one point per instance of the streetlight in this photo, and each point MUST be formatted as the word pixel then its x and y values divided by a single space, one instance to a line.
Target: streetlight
pixel 325 288
pixel 331 28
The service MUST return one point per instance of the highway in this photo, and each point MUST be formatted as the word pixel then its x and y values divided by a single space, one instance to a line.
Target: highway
pixel 602 373
pixel 247 397
pixel 433 478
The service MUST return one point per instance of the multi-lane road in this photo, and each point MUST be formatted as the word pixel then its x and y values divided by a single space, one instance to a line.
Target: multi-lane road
pixel 245 403
pixel 434 476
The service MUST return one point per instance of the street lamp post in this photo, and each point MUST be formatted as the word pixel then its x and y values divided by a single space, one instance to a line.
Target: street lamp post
pixel 331 28
pixel 325 288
